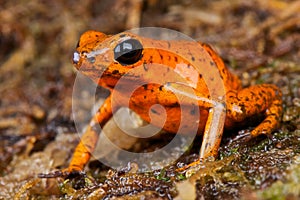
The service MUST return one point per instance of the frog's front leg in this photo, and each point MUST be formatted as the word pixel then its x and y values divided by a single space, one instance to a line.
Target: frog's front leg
pixel 258 99
pixel 89 139
pixel 87 143
pixel 213 131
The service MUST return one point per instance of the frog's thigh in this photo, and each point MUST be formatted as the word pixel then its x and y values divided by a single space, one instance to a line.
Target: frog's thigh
pixel 254 100
pixel 89 139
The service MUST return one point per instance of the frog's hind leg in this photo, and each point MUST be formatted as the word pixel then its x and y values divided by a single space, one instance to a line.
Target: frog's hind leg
pixel 258 99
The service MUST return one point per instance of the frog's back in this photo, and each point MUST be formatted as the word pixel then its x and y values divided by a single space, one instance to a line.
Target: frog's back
pixel 231 81
pixel 198 64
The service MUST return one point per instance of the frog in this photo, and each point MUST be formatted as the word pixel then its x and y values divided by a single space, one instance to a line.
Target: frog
pixel 106 59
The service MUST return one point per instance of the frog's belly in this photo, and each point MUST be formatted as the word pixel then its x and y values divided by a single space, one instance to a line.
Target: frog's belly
pixel 183 119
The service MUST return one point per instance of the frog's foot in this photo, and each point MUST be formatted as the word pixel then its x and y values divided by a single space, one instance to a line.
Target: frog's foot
pixel 68 172
pixel 247 135
pixel 191 165
pixel 242 137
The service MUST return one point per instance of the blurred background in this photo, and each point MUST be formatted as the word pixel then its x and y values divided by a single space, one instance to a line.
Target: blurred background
pixel 259 40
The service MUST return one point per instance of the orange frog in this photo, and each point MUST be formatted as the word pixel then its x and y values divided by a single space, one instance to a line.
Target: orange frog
pixel 108 58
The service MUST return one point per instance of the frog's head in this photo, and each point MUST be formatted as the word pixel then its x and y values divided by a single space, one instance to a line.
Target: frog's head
pixel 105 59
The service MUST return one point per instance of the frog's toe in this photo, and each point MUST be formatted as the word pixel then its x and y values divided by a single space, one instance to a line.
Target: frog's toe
pixel 243 136
pixel 54 174
pixel 61 173
pixel 191 165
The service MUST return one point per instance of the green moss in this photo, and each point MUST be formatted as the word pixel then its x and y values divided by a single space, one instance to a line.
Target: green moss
pixel 163 176
pixel 290 187
pixel 180 177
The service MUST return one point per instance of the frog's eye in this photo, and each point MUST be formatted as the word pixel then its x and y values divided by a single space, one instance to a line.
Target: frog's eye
pixel 128 52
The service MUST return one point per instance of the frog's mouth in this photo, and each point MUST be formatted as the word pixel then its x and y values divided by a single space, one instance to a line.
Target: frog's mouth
pixel 105 76
pixel 110 78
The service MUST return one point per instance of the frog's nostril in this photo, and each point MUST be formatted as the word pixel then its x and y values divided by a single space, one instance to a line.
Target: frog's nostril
pixel 76 57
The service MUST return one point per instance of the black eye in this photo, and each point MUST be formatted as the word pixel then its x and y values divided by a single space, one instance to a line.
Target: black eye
pixel 128 52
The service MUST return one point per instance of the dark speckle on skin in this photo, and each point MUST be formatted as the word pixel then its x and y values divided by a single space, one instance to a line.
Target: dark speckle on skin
pixel 176 59
pixel 223 71
pixel 242 106
pixel 145 66
pixel 221 76
pixel 115 72
pixel 154 111
pixel 210 53
pixel 257 106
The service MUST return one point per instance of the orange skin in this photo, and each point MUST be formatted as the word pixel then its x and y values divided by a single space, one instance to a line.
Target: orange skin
pixel 95 58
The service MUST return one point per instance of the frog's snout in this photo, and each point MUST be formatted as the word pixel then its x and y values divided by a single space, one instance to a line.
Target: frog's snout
pixel 76 57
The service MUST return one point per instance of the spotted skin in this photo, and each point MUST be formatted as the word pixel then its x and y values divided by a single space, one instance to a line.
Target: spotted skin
pixel 95 58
